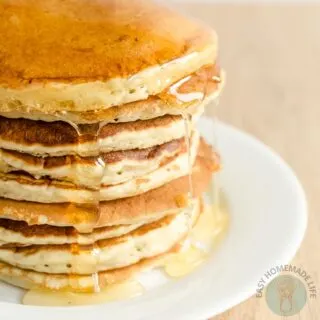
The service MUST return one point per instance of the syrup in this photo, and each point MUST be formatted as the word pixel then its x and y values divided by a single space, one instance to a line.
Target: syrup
pixel 83 131
pixel 187 118
pixel 210 228
pixel 124 290
pixel 183 263
pixel 207 233
pixel 181 93
pixel 185 98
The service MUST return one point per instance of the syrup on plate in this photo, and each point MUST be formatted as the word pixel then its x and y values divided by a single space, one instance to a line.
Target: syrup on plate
pixel 210 228
pixel 124 290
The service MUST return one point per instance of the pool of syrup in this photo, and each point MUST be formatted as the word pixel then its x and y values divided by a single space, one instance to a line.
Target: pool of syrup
pixel 124 290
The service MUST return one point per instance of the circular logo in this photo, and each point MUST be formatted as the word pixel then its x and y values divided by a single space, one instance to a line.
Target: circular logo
pixel 286 295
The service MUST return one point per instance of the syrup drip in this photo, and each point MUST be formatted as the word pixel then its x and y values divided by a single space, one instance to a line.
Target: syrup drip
pixel 191 91
pixel 207 234
pixel 187 118
pixel 96 253
pixel 94 206
pixel 210 228
pixel 186 99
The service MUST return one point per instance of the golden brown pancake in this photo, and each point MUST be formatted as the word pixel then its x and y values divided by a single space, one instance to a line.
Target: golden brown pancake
pixel 155 203
pixel 28 279
pixel 59 133
pixel 59 138
pixel 120 166
pixel 113 52
pixel 146 241
pixel 19 233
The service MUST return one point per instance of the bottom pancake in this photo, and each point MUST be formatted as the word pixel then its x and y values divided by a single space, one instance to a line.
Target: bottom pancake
pixel 147 241
pixel 28 279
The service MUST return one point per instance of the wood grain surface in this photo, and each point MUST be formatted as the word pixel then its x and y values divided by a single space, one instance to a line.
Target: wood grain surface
pixel 272 58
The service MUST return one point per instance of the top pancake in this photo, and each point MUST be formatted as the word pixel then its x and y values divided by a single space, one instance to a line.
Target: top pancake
pixel 89 55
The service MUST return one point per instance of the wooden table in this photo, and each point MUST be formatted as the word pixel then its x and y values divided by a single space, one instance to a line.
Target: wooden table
pixel 272 58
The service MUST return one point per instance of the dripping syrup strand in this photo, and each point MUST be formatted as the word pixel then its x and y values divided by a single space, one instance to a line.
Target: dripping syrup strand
pixel 215 187
pixel 210 229
pixel 187 118
pixel 94 207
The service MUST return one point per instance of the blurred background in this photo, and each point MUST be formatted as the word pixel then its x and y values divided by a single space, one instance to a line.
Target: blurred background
pixel 271 53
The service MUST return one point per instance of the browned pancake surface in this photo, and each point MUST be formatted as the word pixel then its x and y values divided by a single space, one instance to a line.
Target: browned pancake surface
pixel 59 133
pixel 78 40
pixel 30 249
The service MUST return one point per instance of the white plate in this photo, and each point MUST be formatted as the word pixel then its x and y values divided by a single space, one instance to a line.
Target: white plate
pixel 268 220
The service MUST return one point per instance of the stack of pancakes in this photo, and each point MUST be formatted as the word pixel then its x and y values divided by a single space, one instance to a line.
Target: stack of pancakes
pixel 98 105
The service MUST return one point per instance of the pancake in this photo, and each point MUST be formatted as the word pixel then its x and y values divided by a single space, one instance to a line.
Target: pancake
pixel 154 106
pixel 28 279
pixel 120 166
pixel 146 241
pixel 150 205
pixel 113 52
pixel 19 233
pixel 59 138
pixel 23 187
